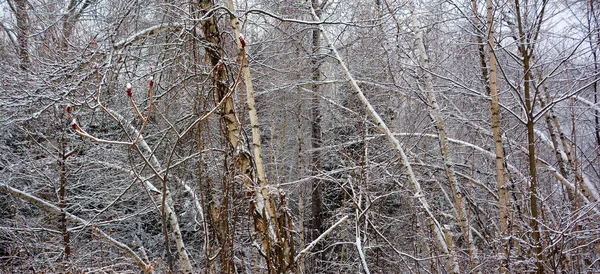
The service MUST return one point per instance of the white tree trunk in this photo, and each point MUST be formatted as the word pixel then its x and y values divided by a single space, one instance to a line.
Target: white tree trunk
pixel 435 113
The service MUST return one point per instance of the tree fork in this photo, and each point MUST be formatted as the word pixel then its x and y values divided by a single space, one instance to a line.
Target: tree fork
pixel 526 45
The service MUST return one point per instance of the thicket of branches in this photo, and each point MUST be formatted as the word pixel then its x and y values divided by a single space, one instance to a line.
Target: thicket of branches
pixel 296 136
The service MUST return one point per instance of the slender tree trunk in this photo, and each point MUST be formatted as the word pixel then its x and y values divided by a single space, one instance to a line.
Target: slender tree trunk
pixel 558 149
pixel 62 196
pixel 459 205
pixel 68 24
pixel 526 46
pixel 301 232
pixel 300 175
pixel 567 155
pixel 594 43
pixel 316 134
pixel 280 223
pixel 503 198
pixel 254 123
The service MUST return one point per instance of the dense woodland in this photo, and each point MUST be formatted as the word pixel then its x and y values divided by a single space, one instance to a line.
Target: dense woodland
pixel 296 136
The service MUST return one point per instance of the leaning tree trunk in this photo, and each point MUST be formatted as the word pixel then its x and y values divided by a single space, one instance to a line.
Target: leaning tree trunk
pixel 452 263
pixel 46 206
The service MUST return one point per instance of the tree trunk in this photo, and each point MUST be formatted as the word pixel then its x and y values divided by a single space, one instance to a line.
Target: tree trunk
pixel 316 134
pixel 492 86
pixel 62 196
pixel 526 46
pixel 22 32
pixel 301 229
pixel 594 43
pixel 273 229
pixel 460 213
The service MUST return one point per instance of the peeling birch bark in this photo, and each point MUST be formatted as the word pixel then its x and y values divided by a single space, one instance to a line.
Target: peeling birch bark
pixel 277 246
pixel 254 123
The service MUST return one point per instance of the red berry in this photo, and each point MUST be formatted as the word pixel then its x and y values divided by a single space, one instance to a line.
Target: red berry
pixel 242 41
pixel 129 93
pixel 68 109
pixel 151 81
pixel 74 124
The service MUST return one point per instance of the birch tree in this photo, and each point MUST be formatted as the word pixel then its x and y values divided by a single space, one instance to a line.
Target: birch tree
pixel 299 136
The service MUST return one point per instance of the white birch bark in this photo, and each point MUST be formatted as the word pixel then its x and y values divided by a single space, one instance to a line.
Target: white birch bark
pixel 435 113
pixel 272 225
pixel 264 194
pixel 497 136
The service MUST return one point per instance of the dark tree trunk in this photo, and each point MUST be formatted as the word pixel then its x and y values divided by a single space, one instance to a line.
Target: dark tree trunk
pixel 316 134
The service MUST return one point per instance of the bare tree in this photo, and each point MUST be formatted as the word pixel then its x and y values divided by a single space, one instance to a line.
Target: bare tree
pixel 299 136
